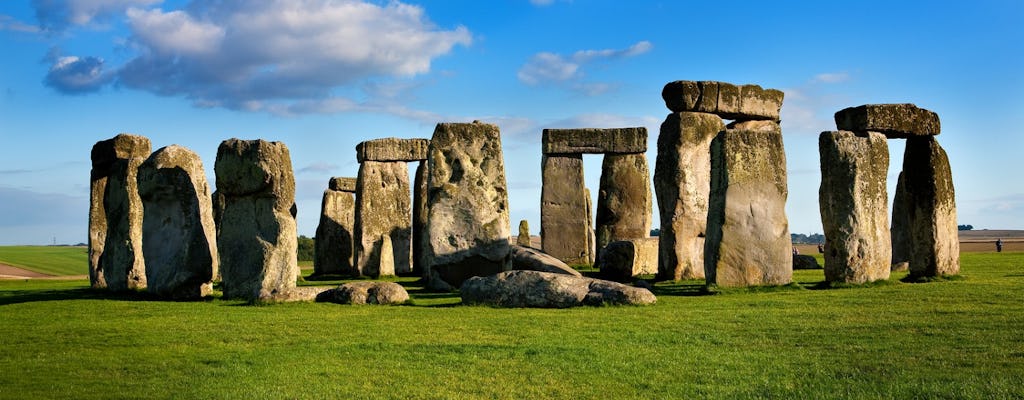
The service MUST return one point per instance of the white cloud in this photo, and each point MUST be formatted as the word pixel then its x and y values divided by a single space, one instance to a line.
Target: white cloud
pixel 8 23
pixel 76 75
pixel 319 167
pixel 542 3
pixel 59 14
pixel 550 68
pixel 831 77
pixel 174 33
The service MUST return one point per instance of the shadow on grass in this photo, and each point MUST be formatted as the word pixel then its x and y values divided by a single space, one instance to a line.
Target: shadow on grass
pixel 31 296
pixel 929 279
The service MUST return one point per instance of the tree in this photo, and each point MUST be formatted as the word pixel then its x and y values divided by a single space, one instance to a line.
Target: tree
pixel 964 227
pixel 306 246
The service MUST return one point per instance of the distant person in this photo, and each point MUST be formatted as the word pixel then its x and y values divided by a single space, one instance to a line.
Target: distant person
pixel 796 251
pixel 821 248
pixel 999 245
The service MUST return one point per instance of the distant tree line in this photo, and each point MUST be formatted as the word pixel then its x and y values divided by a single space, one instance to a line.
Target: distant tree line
pixel 814 238
pixel 306 246
pixel 964 227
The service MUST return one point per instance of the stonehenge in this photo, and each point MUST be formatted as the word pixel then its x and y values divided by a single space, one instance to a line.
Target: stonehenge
pixel 334 235
pixel 624 259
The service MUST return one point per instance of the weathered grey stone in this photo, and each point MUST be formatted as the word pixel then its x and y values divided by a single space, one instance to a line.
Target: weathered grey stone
pixel 383 208
pixel 524 234
pixel 748 240
pixel 854 204
pixel 178 234
pixel 392 149
pixel 564 215
pixel 595 141
pixel 900 228
pixel 624 259
pixel 682 180
pixel 802 261
pixel 257 240
pixel 299 294
pixel 116 258
pixel 591 235
pixel 528 258
pixel 334 235
pixel 419 218
pixel 739 102
pixel 467 208
pixel 386 267
pixel 340 184
pixel 367 292
pixel 547 290
pixel 624 200
pixel 893 120
pixel 935 246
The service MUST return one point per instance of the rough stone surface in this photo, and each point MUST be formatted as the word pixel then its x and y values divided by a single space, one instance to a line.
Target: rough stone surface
pixel 392 149
pixel 591 235
pixel 298 294
pixel 624 200
pixel 419 218
pixel 334 234
pixel 564 214
pixel 524 234
pixel 341 184
pixel 386 267
pixel 547 290
pixel 367 292
pixel 178 233
pixel 528 258
pixel 803 261
pixel 682 181
pixel 467 208
pixel 595 141
pixel 900 228
pixel 739 102
pixel 935 246
pixel 748 240
pixel 854 206
pixel 622 260
pixel 116 259
pixel 383 208
pixel 893 120
pixel 257 239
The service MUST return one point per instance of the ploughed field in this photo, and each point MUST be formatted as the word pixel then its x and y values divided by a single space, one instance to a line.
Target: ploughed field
pixel 957 338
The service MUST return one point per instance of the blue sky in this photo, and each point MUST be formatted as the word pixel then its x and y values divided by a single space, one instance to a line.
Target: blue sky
pixel 323 75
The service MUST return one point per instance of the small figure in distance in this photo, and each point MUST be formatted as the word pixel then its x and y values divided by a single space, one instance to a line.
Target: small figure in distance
pixel 821 248
pixel 796 251
pixel 999 245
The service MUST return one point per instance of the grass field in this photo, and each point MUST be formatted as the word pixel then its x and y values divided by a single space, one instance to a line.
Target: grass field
pixel 948 339
pixel 50 260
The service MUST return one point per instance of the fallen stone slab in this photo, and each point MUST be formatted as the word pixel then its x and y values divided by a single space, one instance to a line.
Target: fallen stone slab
pixel 595 141
pixel 368 292
pixel 297 294
pixel 392 149
pixel 624 259
pixel 729 101
pixel 536 289
pixel 895 121
pixel 530 259
pixel 803 261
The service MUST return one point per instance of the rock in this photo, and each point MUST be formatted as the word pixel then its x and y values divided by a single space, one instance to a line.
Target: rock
pixel 564 215
pixel 547 290
pixel 467 207
pixel 392 149
pixel 334 234
pixel 738 102
pixel 624 259
pixel 178 234
pixel 899 231
pixel 935 246
pixel 116 259
pixel 367 292
pixel 682 181
pixel 299 294
pixel 893 120
pixel 593 140
pixel 257 241
pixel 748 240
pixel 419 218
pixel 383 208
pixel 854 206
pixel 624 200
pixel 527 258
pixel 591 235
pixel 802 261
pixel 387 257
pixel 524 234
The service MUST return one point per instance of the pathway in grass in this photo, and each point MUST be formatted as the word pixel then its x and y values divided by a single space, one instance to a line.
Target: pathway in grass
pixel 47 260
pixel 9 272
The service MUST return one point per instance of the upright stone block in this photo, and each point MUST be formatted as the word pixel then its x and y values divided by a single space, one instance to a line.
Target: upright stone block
pixel 893 120
pixel 591 237
pixel 383 208
pixel 468 222
pixel 738 102
pixel 625 259
pixel 594 141
pixel 854 201
pixel 935 246
pixel 334 234
pixel 748 240
pixel 257 240
pixel 564 214
pixel 178 233
pixel 900 228
pixel 682 180
pixel 624 200
pixel 392 149
pixel 419 218
pixel 115 214
pixel 523 239
pixel 386 267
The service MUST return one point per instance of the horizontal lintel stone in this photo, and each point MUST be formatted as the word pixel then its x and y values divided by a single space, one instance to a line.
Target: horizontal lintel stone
pixel 340 184
pixel 895 121
pixel 729 101
pixel 392 149
pixel 595 141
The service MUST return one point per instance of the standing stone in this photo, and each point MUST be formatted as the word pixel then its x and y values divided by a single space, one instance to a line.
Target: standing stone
pixel 935 247
pixel 564 214
pixel 178 233
pixel 900 229
pixel 853 202
pixel 624 259
pixel 333 251
pixel 467 208
pixel 748 240
pixel 387 257
pixel 624 200
pixel 383 208
pixel 419 217
pixel 524 234
pixel 257 241
pixel 115 214
pixel 682 181
pixel 591 239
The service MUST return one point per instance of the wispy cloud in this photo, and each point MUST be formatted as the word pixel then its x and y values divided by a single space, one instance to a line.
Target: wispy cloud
pixel 8 23
pixel 567 70
pixel 831 77
pixel 35 208
pixel 809 108
pixel 57 15
pixel 319 167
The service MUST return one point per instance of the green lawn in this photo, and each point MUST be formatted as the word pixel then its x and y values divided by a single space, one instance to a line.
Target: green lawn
pixel 51 260
pixel 948 339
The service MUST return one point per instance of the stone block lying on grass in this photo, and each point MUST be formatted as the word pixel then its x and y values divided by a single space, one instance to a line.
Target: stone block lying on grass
pixel 546 290
pixel 530 259
pixel 369 292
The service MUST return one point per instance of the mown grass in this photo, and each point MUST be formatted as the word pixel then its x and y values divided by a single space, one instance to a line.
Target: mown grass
pixel 946 339
pixel 50 260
